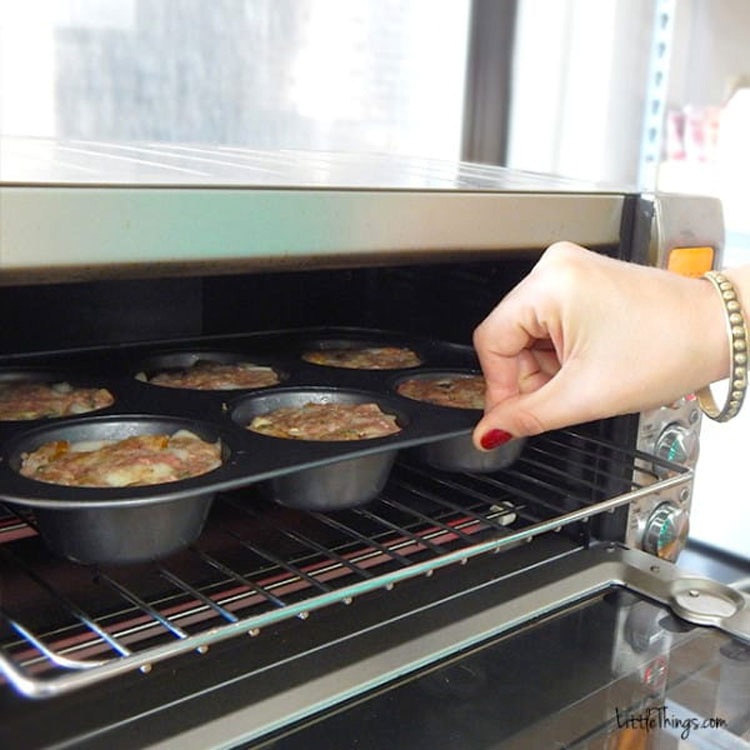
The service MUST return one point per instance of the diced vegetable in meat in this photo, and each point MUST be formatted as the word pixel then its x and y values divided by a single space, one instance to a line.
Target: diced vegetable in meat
pixel 24 400
pixel 132 462
pixel 215 376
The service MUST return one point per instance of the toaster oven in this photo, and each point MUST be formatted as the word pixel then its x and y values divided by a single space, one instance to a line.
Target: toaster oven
pixel 533 606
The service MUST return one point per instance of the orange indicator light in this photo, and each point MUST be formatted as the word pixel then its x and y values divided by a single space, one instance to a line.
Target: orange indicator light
pixel 691 261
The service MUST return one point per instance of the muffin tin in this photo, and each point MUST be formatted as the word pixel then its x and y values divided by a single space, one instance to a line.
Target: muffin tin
pixel 115 525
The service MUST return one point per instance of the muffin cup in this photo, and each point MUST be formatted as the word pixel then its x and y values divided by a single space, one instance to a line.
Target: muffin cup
pixel 46 376
pixel 124 535
pixel 344 484
pixel 459 453
pixel 353 344
pixel 174 360
pixel 332 486
pixel 107 525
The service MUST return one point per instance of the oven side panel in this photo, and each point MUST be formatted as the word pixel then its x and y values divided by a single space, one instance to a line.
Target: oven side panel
pixel 662 224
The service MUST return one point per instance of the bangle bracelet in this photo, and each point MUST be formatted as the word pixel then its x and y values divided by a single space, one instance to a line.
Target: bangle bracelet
pixel 738 353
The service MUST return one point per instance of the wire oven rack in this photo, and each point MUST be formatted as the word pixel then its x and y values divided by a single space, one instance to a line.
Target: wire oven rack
pixel 64 626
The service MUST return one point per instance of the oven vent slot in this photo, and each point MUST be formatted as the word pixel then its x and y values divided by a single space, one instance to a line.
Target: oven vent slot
pixel 64 626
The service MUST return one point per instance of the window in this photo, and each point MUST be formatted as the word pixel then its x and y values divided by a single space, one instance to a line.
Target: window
pixel 349 75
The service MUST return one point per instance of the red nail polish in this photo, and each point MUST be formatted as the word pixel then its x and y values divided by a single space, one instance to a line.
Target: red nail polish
pixel 494 438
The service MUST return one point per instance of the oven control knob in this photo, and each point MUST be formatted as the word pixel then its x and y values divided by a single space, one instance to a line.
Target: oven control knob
pixel 666 531
pixel 677 444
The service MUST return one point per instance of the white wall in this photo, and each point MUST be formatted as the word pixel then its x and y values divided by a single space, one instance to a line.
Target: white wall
pixel 711 53
pixel 720 514
pixel 711 48
pixel 579 86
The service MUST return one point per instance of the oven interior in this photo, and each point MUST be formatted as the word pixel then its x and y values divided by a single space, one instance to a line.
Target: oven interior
pixel 260 569
pixel 442 300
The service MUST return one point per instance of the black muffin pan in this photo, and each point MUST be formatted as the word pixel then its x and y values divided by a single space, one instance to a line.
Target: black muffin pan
pixel 319 475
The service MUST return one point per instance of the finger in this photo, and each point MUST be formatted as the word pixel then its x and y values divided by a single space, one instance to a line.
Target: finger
pixel 508 330
pixel 562 400
pixel 511 326
pixel 534 360
pixel 501 376
pixel 531 374
pixel 533 369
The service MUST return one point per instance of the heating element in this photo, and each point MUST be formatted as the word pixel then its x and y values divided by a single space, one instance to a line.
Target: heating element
pixel 257 564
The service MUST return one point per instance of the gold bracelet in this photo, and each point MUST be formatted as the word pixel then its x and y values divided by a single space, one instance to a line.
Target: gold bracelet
pixel 738 353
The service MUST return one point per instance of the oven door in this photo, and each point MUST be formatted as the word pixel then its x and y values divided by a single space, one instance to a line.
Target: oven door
pixel 546 645
pixel 614 670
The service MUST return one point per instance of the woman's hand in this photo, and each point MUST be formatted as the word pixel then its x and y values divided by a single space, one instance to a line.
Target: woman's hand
pixel 584 337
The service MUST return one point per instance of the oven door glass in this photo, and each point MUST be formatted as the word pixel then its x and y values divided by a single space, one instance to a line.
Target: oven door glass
pixel 616 672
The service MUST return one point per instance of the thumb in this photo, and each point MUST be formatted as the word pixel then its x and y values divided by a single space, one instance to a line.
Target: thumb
pixel 560 402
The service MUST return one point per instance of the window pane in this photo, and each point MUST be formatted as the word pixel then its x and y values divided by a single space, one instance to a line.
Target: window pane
pixel 360 75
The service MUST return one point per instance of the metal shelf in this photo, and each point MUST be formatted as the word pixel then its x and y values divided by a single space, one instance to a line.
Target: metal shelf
pixel 64 626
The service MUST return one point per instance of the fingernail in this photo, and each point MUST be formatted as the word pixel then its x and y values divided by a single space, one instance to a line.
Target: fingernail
pixel 494 438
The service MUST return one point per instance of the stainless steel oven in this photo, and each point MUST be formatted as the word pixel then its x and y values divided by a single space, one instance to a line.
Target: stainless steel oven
pixel 536 606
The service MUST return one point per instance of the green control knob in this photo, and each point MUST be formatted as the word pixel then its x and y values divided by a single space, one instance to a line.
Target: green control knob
pixel 666 531
pixel 678 444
